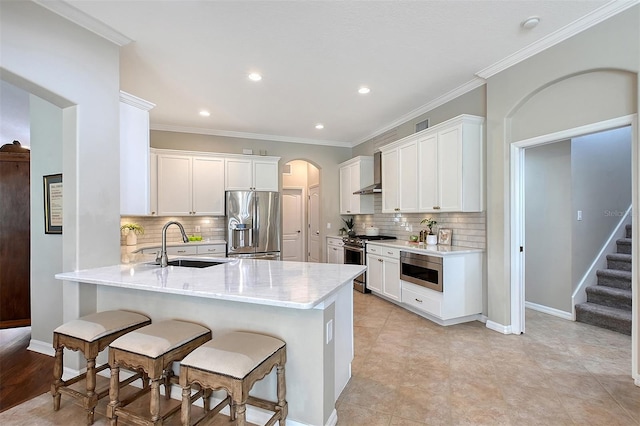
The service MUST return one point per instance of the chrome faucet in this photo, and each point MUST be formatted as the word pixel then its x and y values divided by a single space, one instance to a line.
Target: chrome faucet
pixel 161 258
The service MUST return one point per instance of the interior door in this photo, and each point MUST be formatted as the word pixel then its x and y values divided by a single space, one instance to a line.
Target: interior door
pixel 314 224
pixel 293 225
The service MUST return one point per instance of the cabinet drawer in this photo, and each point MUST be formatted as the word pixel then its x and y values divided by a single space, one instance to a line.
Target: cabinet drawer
pixel 335 242
pixel 422 300
pixel 181 251
pixel 383 251
pixel 216 249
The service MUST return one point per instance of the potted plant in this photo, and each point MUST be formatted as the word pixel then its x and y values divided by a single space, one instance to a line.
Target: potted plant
pixel 349 223
pixel 131 231
pixel 432 239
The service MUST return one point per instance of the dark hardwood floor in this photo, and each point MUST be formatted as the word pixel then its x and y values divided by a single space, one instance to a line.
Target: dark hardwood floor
pixel 23 374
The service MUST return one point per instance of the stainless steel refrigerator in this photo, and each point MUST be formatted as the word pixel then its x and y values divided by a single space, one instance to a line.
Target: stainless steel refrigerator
pixel 253 224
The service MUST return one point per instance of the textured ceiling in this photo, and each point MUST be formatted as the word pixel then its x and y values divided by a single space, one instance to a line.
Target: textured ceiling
pixel 191 55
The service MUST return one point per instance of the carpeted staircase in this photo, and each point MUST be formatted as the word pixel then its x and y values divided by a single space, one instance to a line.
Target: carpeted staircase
pixel 608 303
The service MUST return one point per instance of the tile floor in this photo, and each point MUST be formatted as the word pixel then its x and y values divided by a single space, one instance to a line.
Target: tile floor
pixel 410 371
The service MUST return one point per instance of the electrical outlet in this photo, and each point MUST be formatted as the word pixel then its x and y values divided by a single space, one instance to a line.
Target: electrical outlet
pixel 197 228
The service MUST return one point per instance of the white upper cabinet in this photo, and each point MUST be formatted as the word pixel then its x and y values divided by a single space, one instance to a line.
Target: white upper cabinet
pixel 251 174
pixel 135 161
pixel 190 185
pixel 439 169
pixel 400 178
pixel 355 174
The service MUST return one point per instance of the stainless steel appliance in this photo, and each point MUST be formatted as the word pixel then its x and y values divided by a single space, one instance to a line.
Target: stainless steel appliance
pixel 253 224
pixel 421 269
pixel 355 253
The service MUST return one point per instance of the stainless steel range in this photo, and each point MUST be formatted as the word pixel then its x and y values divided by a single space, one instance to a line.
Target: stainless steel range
pixel 355 253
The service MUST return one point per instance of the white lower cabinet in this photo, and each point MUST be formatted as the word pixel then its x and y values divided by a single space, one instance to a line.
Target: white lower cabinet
pixel 461 298
pixel 383 271
pixel 215 250
pixel 335 250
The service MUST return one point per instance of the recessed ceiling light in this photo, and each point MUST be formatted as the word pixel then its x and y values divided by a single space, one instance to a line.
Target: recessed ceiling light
pixel 205 113
pixel 364 90
pixel 530 22
pixel 319 126
pixel 254 76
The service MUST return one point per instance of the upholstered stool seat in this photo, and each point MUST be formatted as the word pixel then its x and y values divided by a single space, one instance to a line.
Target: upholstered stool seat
pixel 235 361
pixel 90 335
pixel 152 350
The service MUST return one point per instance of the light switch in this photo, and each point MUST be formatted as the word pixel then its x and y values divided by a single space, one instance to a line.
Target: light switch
pixel 579 214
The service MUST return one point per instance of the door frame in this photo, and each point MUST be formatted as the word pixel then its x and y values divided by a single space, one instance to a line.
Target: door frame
pixel 517 150
pixel 305 219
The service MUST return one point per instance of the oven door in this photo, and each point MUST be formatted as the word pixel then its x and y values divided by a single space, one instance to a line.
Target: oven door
pixel 356 256
pixel 420 269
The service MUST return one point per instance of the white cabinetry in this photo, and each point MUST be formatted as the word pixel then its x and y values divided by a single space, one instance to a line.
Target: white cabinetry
pixel 383 271
pixel 400 177
pixel 451 166
pixel 355 174
pixel 136 167
pixel 190 184
pixel 335 250
pixel 251 174
pixel 215 250
pixel 461 298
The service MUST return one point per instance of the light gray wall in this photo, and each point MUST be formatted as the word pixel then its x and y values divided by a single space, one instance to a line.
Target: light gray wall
pixel 78 72
pixel 611 45
pixel 46 249
pixel 548 225
pixel 601 174
pixel 325 158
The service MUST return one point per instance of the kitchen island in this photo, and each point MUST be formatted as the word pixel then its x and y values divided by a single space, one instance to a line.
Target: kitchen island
pixel 308 305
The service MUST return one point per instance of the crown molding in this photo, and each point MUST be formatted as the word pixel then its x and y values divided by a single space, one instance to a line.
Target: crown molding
pixel 447 97
pixel 244 135
pixel 591 19
pixel 135 101
pixel 80 18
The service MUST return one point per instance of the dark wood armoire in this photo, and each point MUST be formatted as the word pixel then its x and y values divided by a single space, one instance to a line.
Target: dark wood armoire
pixel 15 236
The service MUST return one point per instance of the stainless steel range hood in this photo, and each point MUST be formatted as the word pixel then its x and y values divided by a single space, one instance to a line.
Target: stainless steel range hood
pixel 377 176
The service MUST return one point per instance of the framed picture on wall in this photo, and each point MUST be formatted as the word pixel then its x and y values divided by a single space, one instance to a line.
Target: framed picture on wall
pixel 53 204
pixel 444 237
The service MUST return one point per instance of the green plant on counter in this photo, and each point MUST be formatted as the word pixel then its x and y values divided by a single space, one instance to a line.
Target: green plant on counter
pixel 348 222
pixel 430 223
pixel 132 227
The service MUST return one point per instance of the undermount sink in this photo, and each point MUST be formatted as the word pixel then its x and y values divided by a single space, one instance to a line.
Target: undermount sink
pixel 190 263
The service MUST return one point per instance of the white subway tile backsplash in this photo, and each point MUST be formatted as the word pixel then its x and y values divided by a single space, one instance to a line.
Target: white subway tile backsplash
pixel 211 228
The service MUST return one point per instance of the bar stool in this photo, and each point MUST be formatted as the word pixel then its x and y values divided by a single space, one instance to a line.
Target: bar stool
pixel 234 361
pixel 89 334
pixel 151 349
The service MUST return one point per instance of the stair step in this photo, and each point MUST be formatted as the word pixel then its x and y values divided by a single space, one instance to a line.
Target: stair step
pixel 614 278
pixel 609 296
pixel 620 261
pixel 604 317
pixel 624 245
pixel 628 230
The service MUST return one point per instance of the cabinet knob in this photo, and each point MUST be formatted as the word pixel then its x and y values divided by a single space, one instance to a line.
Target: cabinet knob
pixel 436 207
pixel 298 232
pixel 397 209
pixel 380 260
pixel 418 300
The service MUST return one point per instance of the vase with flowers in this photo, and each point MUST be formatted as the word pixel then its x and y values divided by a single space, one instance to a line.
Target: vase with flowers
pixel 349 223
pixel 432 238
pixel 131 231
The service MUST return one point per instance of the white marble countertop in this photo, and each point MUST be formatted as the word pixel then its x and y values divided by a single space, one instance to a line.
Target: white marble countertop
pixel 299 285
pixel 440 250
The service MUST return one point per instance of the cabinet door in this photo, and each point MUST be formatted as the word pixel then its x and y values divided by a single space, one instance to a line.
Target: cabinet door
pixel 212 250
pixel 354 185
pixel 345 188
pixel 238 174
pixel 335 254
pixel 174 185
pixel 374 273
pixel 265 175
pixel 134 160
pixel 408 177
pixel 208 186
pixel 153 183
pixel 428 174
pixel 390 202
pixel 450 169
pixel 391 278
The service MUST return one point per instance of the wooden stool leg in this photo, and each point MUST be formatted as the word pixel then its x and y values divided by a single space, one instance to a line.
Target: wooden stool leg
pixel 57 378
pixel 185 410
pixel 114 394
pixel 282 392
pixel 92 399
pixel 155 399
pixel 232 408
pixel 167 383
pixel 241 413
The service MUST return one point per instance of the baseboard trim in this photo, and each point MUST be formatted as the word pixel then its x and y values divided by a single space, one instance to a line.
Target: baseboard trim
pixel 331 421
pixel 44 348
pixel 551 311
pixel 504 329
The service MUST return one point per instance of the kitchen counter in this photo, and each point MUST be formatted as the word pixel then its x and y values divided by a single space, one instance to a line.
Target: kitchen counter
pixel 308 305
pixel 439 250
